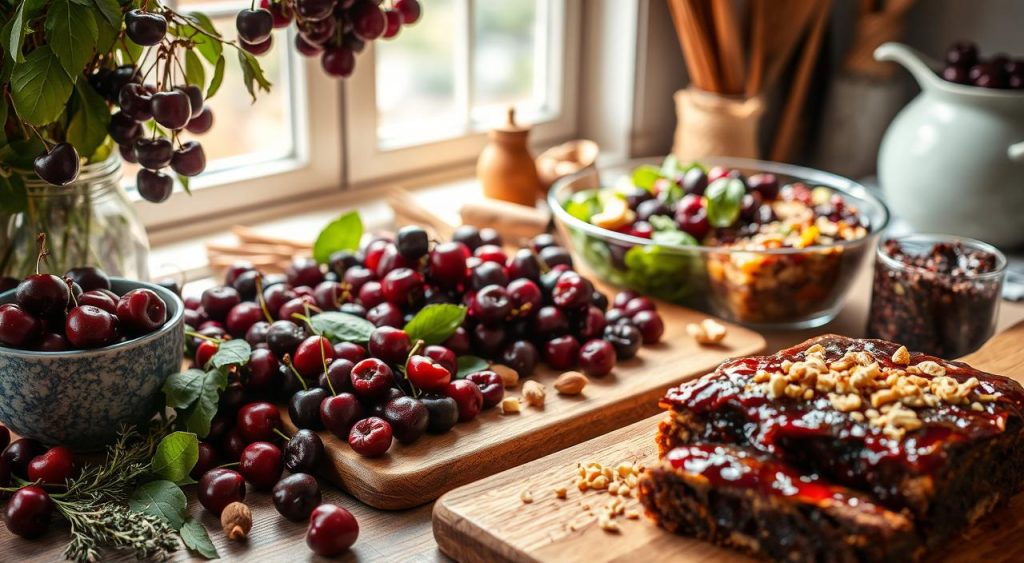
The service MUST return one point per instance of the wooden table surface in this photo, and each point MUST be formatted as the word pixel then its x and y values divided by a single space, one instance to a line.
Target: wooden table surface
pixel 405 535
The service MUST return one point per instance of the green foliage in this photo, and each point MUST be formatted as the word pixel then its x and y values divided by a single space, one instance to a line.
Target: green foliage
pixel 252 74
pixel 434 323
pixel 194 395
pixel 40 87
pixel 72 33
pixel 470 364
pixel 724 201
pixel 344 233
pixel 232 353
pixel 87 130
pixel 175 457
pixel 162 499
pixel 342 327
pixel 196 538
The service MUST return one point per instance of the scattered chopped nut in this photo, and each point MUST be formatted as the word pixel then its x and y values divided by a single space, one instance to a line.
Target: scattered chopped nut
pixel 526 497
pixel 607 524
pixel 561 492
pixel 901 356
pixel 534 394
pixel 633 514
pixel 509 377
pixel 707 332
pixel 509 405
pixel 571 383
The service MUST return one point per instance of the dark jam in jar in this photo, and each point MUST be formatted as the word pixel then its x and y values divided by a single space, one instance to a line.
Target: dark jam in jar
pixel 940 297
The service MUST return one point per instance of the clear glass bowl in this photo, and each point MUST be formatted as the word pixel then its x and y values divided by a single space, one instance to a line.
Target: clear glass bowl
pixel 783 288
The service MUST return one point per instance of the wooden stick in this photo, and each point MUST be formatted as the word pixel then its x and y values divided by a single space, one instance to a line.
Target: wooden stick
pixel 700 27
pixel 789 21
pixel 757 47
pixel 688 44
pixel 730 43
pixel 783 146
pixel 246 234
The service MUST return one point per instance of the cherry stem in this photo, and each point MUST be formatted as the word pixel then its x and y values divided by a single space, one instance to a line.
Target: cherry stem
pixel 194 334
pixel 415 349
pixel 261 300
pixel 544 268
pixel 229 465
pixel 71 290
pixel 287 360
pixel 43 253
pixel 282 434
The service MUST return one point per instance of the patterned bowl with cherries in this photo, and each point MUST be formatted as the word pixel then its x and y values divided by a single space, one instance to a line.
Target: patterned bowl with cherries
pixel 81 398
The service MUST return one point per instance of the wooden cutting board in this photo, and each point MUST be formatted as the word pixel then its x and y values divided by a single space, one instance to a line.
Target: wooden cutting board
pixel 487 520
pixel 410 475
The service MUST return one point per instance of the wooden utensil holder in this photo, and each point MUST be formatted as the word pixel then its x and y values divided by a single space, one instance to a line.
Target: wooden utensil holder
pixel 710 124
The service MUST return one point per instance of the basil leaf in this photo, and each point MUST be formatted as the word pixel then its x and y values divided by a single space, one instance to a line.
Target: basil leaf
pixel 162 499
pixel 72 33
pixel 88 128
pixel 218 77
pixel 662 223
pixel 252 74
pixel 724 201
pixel 470 364
pixel 435 323
pixel 196 538
pixel 232 353
pixel 197 418
pixel 583 205
pixel 671 166
pixel 13 195
pixel 645 176
pixel 40 88
pixel 195 74
pixel 342 327
pixel 344 233
pixel 674 238
pixel 183 389
pixel 175 457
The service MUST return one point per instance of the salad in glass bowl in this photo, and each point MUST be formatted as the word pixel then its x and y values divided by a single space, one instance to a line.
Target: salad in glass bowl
pixel 760 243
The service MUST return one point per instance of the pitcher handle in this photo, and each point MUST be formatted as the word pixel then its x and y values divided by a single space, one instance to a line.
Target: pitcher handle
pixel 920 65
pixel 1016 152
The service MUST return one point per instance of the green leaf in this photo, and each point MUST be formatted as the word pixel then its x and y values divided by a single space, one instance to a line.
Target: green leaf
pixel 40 88
pixel 162 499
pixel 645 176
pixel 197 418
pixel 435 323
pixel 674 238
pixel 470 364
pixel 111 12
pixel 196 538
pixel 232 353
pixel 13 195
pixel 72 33
pixel 88 128
pixel 20 154
pixel 344 233
pixel 175 457
pixel 252 74
pixel 583 205
pixel 13 34
pixel 342 327
pixel 195 74
pixel 3 120
pixel 182 390
pixel 184 181
pixel 724 201
pixel 218 77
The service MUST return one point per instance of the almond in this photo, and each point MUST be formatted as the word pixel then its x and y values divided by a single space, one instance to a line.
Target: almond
pixel 534 393
pixel 571 383
pixel 509 377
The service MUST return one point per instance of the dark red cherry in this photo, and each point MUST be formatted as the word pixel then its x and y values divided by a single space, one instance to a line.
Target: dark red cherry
pixel 43 295
pixel 261 464
pixel 281 10
pixel 258 49
pixel 189 160
pixel 257 421
pixel 332 530
pixel 171 109
pixel 124 130
pixel 254 26
pixel 154 186
pixel 410 10
pixel 145 28
pixel 393 23
pixel 339 61
pixel 314 9
pixel 368 19
pixel 296 496
pixel 59 165
pixel 201 122
pixel 304 452
pixel 28 512
pixel 219 488
pixel 154 153
pixel 141 311
pixel 54 467
pixel 371 437
pixel 89 278
pixel 90 327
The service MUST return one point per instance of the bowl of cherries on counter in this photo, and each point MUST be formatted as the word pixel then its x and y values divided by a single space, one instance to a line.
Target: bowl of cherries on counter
pixel 82 354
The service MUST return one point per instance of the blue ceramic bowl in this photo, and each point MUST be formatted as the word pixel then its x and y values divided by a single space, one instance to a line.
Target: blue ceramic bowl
pixel 80 399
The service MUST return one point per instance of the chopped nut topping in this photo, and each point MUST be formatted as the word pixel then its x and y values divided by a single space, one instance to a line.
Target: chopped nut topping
pixel 901 356
pixel 561 492
pixel 707 332
pixel 509 405
pixel 607 524
pixel 931 368
pixel 526 497
pixel 534 394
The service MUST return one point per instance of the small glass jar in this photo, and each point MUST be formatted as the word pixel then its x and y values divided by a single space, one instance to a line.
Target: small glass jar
pixel 90 222
pixel 939 311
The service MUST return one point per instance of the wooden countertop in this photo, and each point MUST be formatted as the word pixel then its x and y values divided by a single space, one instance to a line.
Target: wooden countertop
pixel 406 535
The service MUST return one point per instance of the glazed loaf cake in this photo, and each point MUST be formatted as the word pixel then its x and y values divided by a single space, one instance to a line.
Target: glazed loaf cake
pixel 939 440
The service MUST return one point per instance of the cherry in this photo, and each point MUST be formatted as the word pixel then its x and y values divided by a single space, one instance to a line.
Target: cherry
pixel 59 165
pixel 525 298
pixel 318 32
pixel 296 496
pixel 487 340
pixel 141 311
pixel 281 10
pixel 18 328
pixel 89 278
pixel 154 186
pixel 205 352
pixel 201 122
pixel 304 272
pixel 368 19
pixel 124 130
pixel 43 295
pixel 257 421
pixel 349 351
pixel 412 242
pixel 489 273
pixel 572 291
pixel 195 97
pixel 232 397
pixel 428 375
pixel 5 437
pixel 219 488
pixel 458 342
pixel 54 467
pixel 264 370
pixel 561 352
pixel 651 326
pixel 623 297
pixel 626 339
pixel 443 412
pixel 145 28
pixel 276 296
pixel 521 356
pixel 314 9
pixel 371 294
pixel 637 304
pixel 243 317
pixel 154 153
pixel 468 235
pixel 492 305
pixel 542 241
pixel 597 357
pixel 189 160
pixel 234 444
pixel 371 379
pixel 408 418
pixel 17 456
pixel 353 41
pixel 332 530
pixel 261 464
pixel 523 264
pixel 410 10
pixel 492 389
pixel 390 260
pixel 338 61
pixel 329 295
pixel 443 356
pixel 218 301
pixel 592 324
pixel 206 461
pixel 100 299
pixel 134 100
pixel 468 398
pixel 556 256
pixel 171 109
pixel 393 23
pixel 312 356
pixel 549 323
pixel 403 287
pixel 28 512
pixel 90 327
pixel 283 337
pixel 338 376
pixel 339 412
pixel 304 452
pixel 304 407
pixel 254 26
pixel 370 437
pixel 390 345
pixel 52 342
pixel 447 264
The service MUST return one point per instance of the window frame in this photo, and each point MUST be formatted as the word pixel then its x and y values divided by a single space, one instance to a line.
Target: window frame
pixel 368 163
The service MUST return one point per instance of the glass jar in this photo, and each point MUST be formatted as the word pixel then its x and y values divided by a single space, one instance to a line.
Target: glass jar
pixel 90 222
pixel 936 294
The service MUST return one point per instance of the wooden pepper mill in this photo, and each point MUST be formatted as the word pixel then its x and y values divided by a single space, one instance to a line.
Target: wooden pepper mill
pixel 506 168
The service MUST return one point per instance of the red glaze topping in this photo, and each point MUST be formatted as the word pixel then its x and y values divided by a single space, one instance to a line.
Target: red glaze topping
pixel 728 467
pixel 776 421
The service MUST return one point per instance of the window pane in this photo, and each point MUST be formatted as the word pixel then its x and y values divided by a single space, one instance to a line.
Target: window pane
pixel 416 79
pixel 504 66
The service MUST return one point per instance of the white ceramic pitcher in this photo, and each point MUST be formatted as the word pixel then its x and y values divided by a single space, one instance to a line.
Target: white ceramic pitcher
pixel 952 161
